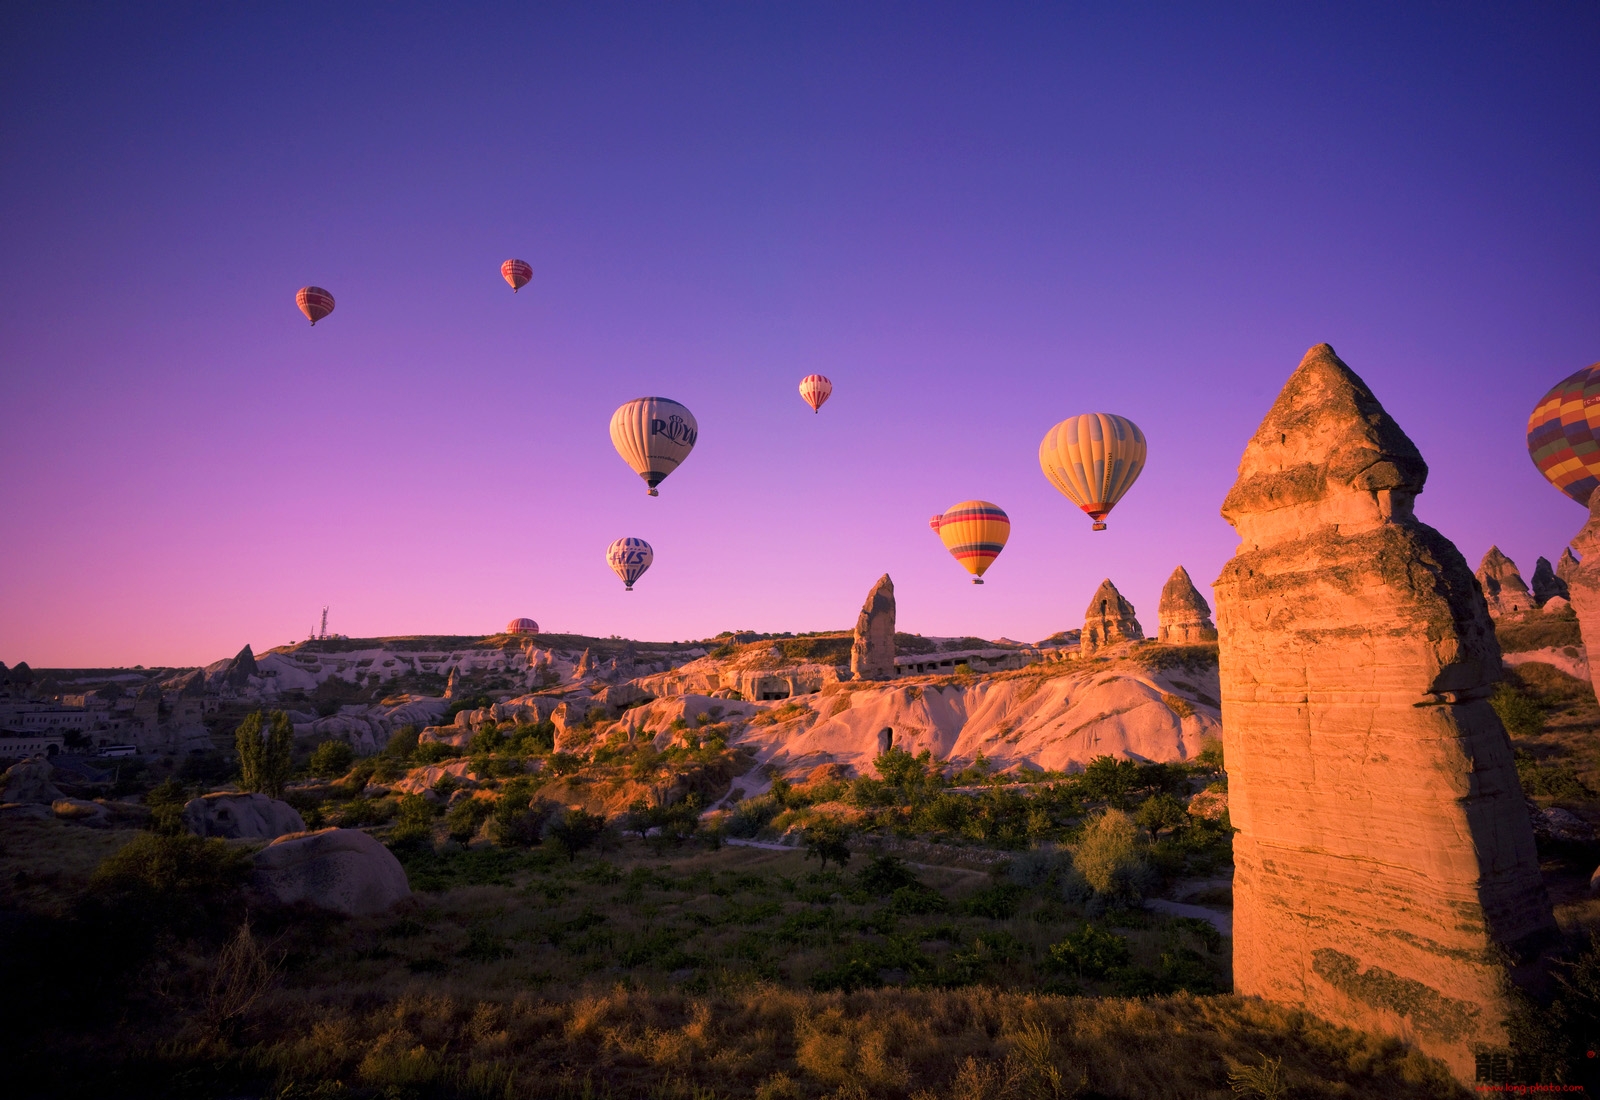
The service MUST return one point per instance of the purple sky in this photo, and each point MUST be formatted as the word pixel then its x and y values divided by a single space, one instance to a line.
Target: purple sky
pixel 976 219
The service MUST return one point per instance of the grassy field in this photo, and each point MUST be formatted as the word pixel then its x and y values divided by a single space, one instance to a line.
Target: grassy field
pixel 642 971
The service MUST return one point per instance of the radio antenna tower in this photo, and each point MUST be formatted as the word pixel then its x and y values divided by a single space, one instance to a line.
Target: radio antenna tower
pixel 323 633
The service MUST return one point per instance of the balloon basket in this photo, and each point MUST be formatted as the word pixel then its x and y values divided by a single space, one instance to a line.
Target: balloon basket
pixel 627 588
pixel 1099 527
pixel 977 580
pixel 652 493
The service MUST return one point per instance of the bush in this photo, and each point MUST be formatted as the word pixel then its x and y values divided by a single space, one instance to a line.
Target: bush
pixel 576 830
pixel 332 759
pixel 1161 811
pixel 514 823
pixel 177 884
pixel 827 840
pixel 1109 858
pixel 414 822
pixel 1091 953
pixel 433 752
pixel 1522 715
pixel 883 875
pixel 465 818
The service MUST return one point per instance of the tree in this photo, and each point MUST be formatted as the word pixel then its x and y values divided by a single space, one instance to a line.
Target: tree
pixel 265 764
pixel 576 830
pixel 332 759
pixel 827 840
pixel 1161 811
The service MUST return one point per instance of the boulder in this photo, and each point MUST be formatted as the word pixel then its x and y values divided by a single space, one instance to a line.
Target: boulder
pixel 29 781
pixel 1561 826
pixel 1546 585
pixel 418 780
pixel 80 810
pixel 344 870
pixel 1110 621
pixel 234 816
pixel 1184 617
pixel 1503 587
pixel 1385 872
pixel 1555 605
pixel 872 651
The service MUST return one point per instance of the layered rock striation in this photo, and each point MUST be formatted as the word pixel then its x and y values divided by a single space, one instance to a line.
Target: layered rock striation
pixel 872 650
pixel 1109 621
pixel 1386 876
pixel 1183 617
pixel 1504 590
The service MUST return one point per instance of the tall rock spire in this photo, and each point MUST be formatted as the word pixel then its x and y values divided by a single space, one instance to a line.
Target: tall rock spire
pixel 1546 584
pixel 1504 590
pixel 1385 867
pixel 872 652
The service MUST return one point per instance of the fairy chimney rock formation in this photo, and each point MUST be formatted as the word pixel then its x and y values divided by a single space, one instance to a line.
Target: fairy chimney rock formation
pixel 1184 617
pixel 872 652
pixel 1384 864
pixel 1583 583
pixel 1547 585
pixel 1109 621
pixel 1566 566
pixel 1503 587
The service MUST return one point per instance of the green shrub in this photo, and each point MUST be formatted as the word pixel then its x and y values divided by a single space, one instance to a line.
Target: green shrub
pixel 885 874
pixel 576 830
pixel 1556 779
pixel 1091 953
pixel 463 820
pixel 1109 858
pixel 433 752
pixel 170 883
pixel 332 759
pixel 1522 715
pixel 998 902
pixel 402 743
pixel 514 823
pixel 414 822
pixel 827 840
pixel 1161 811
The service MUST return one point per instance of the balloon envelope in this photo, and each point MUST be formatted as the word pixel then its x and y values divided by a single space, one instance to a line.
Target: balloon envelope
pixel 629 558
pixel 1564 434
pixel 814 390
pixel 517 273
pixel 653 435
pixel 1093 459
pixel 314 302
pixel 522 626
pixel 974 532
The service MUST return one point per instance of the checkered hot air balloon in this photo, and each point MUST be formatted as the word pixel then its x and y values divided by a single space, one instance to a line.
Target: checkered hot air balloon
pixel 1093 459
pixel 1564 434
pixel 653 435
pixel 974 532
pixel 814 390
pixel 517 273
pixel 629 558
pixel 314 302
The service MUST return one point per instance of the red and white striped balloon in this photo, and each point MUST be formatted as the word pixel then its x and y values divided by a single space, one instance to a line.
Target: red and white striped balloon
pixel 314 302
pixel 814 390
pixel 517 273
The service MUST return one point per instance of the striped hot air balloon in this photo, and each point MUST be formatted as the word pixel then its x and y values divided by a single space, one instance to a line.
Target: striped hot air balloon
pixel 974 532
pixel 814 390
pixel 517 273
pixel 522 626
pixel 629 558
pixel 1093 459
pixel 314 302
pixel 653 435
pixel 1564 434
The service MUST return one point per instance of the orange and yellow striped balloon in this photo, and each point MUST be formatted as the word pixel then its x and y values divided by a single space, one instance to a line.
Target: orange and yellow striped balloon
pixel 974 532
pixel 1093 459
pixel 1564 434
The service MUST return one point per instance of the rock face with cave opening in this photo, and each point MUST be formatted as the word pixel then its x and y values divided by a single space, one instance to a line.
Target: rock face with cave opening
pixel 1386 876
pixel 1108 622
pixel 1504 590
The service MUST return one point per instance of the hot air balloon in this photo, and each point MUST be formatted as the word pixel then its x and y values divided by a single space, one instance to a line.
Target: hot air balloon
pixel 814 390
pixel 517 273
pixel 653 435
pixel 522 626
pixel 314 302
pixel 1564 434
pixel 974 532
pixel 1093 459
pixel 629 558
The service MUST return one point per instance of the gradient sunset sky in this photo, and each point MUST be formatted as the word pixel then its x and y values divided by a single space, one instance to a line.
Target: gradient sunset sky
pixel 977 219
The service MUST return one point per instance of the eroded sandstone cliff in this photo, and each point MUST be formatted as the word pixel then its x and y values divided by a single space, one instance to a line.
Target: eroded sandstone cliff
pixel 1385 868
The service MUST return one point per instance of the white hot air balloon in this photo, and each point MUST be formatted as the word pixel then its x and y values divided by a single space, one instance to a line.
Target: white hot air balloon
pixel 653 435
pixel 629 558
